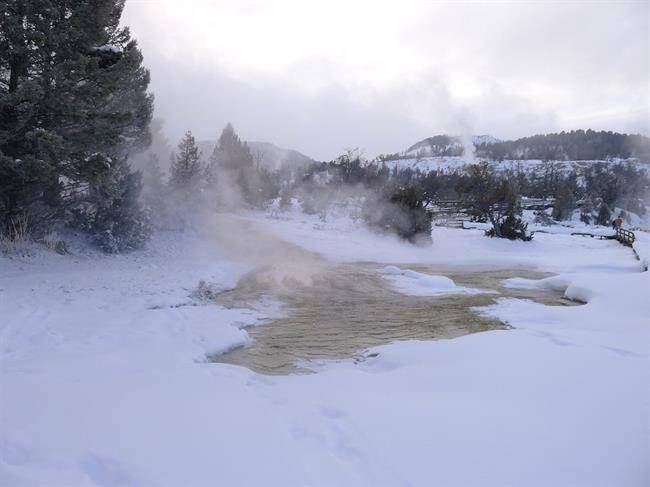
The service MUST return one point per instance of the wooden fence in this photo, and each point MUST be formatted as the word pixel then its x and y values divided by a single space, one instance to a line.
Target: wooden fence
pixel 626 237
pixel 453 212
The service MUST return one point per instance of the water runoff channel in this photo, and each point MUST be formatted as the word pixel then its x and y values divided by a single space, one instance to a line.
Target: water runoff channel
pixel 334 311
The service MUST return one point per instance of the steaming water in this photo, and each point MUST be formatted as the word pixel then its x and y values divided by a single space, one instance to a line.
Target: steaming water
pixel 339 310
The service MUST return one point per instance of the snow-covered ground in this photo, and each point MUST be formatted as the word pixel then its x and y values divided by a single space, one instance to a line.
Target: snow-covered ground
pixel 452 163
pixel 104 382
pixel 642 247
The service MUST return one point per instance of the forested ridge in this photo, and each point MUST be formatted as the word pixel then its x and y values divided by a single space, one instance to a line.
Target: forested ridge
pixel 576 145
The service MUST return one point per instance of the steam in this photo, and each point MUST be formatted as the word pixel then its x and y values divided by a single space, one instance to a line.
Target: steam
pixel 276 263
pixel 469 149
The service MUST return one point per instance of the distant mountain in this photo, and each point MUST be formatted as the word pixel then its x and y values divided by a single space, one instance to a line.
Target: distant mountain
pixel 269 155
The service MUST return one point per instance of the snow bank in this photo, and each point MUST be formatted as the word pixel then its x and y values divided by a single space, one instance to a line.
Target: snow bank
pixel 642 247
pixel 341 240
pixel 104 382
pixel 419 284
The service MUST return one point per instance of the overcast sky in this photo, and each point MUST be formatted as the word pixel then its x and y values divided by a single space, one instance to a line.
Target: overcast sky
pixel 320 76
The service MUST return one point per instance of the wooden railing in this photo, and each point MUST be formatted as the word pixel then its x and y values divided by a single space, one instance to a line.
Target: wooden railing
pixel 626 237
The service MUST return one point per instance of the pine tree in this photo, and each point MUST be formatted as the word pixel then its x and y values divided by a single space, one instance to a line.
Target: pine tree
pixel 495 200
pixel 233 161
pixel 564 202
pixel 604 216
pixel 230 152
pixel 154 190
pixel 73 105
pixel 186 167
pixel 587 210
pixel 115 220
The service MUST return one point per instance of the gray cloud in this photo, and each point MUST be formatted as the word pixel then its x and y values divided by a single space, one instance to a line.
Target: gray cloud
pixel 500 68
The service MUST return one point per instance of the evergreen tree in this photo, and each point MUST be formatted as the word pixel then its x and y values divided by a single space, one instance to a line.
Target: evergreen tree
pixel 564 202
pixel 489 198
pixel 233 161
pixel 154 190
pixel 73 105
pixel 186 168
pixel 604 216
pixel 587 210
pixel 159 147
pixel 112 214
pixel 231 153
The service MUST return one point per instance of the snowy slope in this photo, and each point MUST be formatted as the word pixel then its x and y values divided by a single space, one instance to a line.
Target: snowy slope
pixel 104 382
pixel 450 163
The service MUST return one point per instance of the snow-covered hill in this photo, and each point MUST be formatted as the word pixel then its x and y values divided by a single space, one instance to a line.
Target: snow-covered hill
pixel 448 145
pixel 578 147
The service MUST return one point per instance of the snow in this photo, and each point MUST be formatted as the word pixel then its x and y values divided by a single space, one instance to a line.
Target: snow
pixel 104 380
pixel 642 247
pixel 344 240
pixel 108 48
pixel 455 163
pixel 420 284
pixel 484 139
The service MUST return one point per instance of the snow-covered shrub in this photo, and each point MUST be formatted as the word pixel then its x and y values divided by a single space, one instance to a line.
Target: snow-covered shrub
pixel 204 291
pixel 403 214
pixel 285 200
pixel 543 218
pixel 512 228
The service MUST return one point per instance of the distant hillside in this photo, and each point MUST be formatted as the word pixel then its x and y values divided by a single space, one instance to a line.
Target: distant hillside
pixel 274 157
pixel 577 145
pixel 446 145
pixel 269 155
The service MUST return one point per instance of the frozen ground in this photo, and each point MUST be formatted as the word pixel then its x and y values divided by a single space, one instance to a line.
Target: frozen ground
pixel 103 380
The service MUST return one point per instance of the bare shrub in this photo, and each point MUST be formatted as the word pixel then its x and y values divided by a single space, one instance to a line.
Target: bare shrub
pixel 16 238
pixel 54 243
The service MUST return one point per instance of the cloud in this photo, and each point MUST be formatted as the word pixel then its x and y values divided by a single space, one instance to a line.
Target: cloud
pixel 321 76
